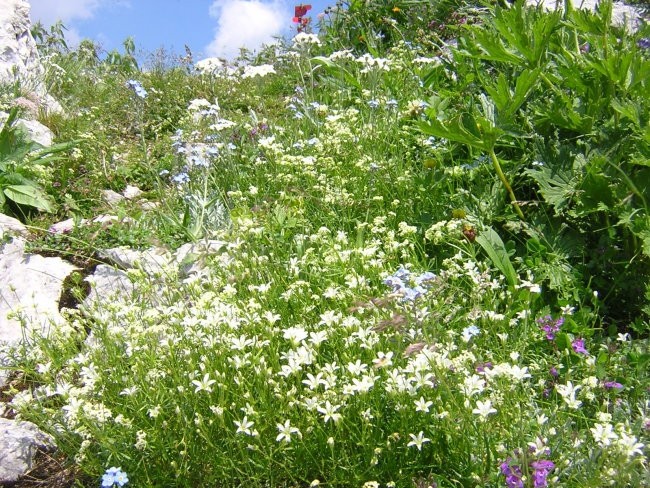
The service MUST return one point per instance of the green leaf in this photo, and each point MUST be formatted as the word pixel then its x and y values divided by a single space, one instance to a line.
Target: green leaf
pixel 30 196
pixel 492 244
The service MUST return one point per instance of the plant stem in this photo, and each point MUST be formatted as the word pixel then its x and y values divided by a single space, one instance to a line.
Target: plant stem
pixel 504 180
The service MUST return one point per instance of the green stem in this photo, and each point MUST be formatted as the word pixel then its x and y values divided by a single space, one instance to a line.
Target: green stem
pixel 504 180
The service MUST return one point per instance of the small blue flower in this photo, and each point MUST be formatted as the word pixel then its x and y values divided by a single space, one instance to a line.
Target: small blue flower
pixel 392 103
pixel 469 332
pixel 137 87
pixel 181 178
pixel 373 104
pixel 643 43
pixel 114 476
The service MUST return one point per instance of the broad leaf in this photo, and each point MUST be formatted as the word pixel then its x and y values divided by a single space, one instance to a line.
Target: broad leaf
pixel 30 196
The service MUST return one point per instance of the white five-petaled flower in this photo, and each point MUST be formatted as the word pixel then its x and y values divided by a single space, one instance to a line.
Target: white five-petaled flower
pixel 383 359
pixel 286 432
pixel 418 440
pixel 603 434
pixel 244 427
pixel 329 412
pixel 484 409
pixel 205 384
pixel 422 405
pixel 568 393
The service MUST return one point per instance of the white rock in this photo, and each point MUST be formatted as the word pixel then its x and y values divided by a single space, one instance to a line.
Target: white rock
pixel 18 54
pixel 107 283
pixel 131 192
pixel 30 289
pixel 152 261
pixel 9 225
pixel 62 227
pixel 111 197
pixel 19 442
pixel 36 131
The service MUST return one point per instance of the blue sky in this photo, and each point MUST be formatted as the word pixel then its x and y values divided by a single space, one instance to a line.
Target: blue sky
pixel 208 27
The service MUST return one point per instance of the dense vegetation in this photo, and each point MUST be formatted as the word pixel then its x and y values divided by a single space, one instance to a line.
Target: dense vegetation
pixel 434 265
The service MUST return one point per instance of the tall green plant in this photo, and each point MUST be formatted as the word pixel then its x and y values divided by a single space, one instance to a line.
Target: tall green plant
pixel 18 159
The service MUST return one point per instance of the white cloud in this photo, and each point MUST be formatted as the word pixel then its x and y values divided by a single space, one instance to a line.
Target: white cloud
pixel 246 23
pixel 50 11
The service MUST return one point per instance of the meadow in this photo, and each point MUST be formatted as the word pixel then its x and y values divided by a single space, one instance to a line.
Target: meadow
pixel 433 265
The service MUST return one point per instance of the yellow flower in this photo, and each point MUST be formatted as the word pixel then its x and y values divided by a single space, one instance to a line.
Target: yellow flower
pixel 396 9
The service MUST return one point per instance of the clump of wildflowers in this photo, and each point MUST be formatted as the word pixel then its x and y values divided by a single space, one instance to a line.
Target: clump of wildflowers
pixel 540 470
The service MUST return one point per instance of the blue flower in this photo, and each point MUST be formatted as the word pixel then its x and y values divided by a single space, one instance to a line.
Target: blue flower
pixel 181 178
pixel 137 87
pixel 114 476
pixel 373 104
pixel 469 332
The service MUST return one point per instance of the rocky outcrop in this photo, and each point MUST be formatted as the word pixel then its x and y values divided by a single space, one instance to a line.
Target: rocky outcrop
pixel 30 291
pixel 19 60
pixel 19 442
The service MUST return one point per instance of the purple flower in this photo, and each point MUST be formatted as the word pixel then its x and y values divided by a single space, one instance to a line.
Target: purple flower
pixel 541 469
pixel 578 346
pixel 481 367
pixel 612 385
pixel 512 474
pixel 643 43
pixel 554 372
pixel 550 326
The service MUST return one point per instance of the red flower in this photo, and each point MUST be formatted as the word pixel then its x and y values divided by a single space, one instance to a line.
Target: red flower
pixel 300 11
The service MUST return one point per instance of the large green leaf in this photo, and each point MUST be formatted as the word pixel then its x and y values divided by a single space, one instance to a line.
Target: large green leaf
pixel 30 196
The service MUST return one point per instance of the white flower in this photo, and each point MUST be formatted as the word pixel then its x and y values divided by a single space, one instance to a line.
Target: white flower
pixel 329 412
pixel 383 359
pixel 303 39
pixel 209 65
pixel 286 431
pixel 203 385
pixel 261 70
pixel 568 393
pixel 418 440
pixel 422 405
pixel 484 409
pixel 244 427
pixel 629 446
pixel 603 434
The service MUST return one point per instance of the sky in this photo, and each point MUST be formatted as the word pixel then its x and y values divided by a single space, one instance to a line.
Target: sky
pixel 209 27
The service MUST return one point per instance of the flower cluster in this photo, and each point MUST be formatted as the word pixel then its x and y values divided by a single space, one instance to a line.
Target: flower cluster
pixel 137 88
pixel 114 476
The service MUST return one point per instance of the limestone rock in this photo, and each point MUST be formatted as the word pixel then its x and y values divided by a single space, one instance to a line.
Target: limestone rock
pixel 18 54
pixel 131 192
pixel 9 225
pixel 36 131
pixel 19 442
pixel 152 261
pixel 112 197
pixel 106 283
pixel 29 291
